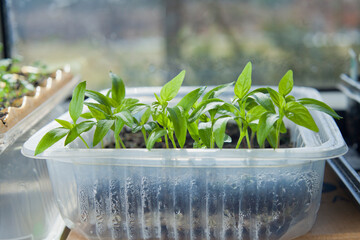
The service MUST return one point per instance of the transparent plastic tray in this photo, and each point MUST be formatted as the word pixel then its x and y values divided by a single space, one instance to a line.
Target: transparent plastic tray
pixel 192 193
pixel 27 206
pixel 49 102
pixel 28 209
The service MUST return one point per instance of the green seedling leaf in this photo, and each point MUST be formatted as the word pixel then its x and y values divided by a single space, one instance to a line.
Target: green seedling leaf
pixel 158 98
pixel 98 115
pixel 119 124
pixel 100 98
pixel 108 93
pixel 286 83
pixel 137 108
pixel 219 130
pixel 137 127
pixel 229 108
pixel 178 119
pixel 246 97
pixel 264 100
pixel 190 99
pixel 170 89
pixel 154 136
pixel 204 107
pixel 193 131
pixel 126 117
pixel 99 107
pixel 112 102
pixel 87 115
pixel 255 113
pixel 224 111
pixel 266 123
pixel 290 98
pixel 314 104
pixel 102 128
pixel 117 88
pixel 50 138
pixel 239 119
pixel 129 101
pixel 216 91
pixel 300 115
pixel 157 114
pixel 77 101
pixel 77 130
pixel 145 117
pixel 64 123
pixel 203 118
pixel 250 103
pixel 272 138
pixel 205 133
pixel 277 98
pixel 254 125
pixel 150 126
pixel 243 83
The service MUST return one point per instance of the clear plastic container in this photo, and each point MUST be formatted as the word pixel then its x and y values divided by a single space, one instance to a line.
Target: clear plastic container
pixel 27 206
pixel 192 193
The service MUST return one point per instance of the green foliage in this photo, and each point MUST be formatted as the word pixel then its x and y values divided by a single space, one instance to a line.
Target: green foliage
pixel 50 138
pixel 286 83
pixel 170 89
pixel 299 114
pixel 102 128
pixel 78 129
pixel 243 83
pixel 117 88
pixel 219 130
pixel 154 136
pixel 77 101
pixel 260 112
pixel 178 119
pixel 17 81
pixel 266 124
pixel 313 104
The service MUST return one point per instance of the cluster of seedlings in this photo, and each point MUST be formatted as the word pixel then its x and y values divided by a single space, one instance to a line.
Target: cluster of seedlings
pixel 18 81
pixel 259 114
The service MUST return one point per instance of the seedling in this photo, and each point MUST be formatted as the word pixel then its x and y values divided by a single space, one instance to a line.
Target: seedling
pixel 260 111
pixel 210 120
pixel 271 122
pixel 172 119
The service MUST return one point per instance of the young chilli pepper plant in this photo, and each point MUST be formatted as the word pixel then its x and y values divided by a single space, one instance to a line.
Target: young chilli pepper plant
pixel 208 120
pixel 271 122
pixel 172 119
pixel 258 113
pixel 112 111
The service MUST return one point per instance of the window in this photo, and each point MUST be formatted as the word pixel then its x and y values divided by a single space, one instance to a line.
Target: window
pixel 149 41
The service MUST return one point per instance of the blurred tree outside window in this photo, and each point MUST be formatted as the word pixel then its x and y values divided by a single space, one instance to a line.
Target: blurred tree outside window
pixel 149 41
